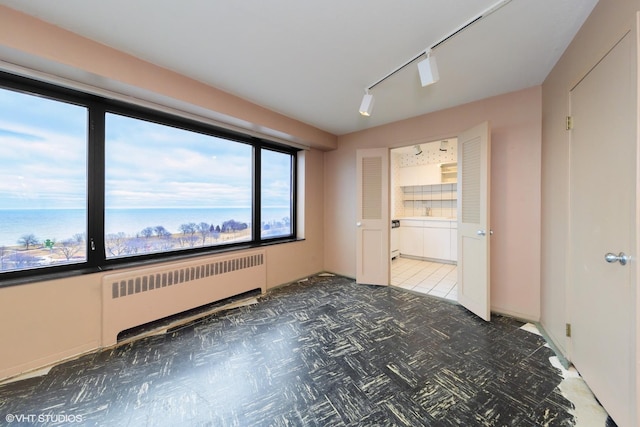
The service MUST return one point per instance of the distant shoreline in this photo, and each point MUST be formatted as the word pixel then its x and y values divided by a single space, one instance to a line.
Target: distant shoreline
pixel 14 255
pixel 62 224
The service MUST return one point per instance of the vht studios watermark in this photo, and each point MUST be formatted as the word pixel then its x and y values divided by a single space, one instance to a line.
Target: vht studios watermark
pixel 43 418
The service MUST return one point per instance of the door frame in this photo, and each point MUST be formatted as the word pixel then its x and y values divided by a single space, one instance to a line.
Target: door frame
pixel 483 132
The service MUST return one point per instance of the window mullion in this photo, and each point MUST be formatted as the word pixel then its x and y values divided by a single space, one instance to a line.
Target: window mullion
pixel 257 204
pixel 294 193
pixel 96 186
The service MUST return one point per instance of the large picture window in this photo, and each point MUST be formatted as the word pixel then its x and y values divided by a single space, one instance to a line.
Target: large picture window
pixel 170 189
pixel 43 182
pixel 88 183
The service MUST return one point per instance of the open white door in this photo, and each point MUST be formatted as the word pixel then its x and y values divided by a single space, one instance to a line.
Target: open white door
pixel 373 222
pixel 474 155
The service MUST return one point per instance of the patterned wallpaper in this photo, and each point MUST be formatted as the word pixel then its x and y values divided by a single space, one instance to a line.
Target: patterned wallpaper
pixel 430 154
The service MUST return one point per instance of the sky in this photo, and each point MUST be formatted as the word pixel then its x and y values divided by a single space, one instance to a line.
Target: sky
pixel 43 151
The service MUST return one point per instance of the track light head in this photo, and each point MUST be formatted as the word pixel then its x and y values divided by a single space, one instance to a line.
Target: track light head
pixel 417 149
pixel 367 104
pixel 428 70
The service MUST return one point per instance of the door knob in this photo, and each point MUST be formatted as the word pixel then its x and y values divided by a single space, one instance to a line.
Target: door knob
pixel 621 258
pixel 481 233
pixel 358 224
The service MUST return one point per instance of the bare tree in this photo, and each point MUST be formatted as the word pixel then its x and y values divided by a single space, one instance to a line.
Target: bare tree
pixel 188 229
pixel 28 240
pixel 4 251
pixel 204 229
pixel 161 231
pixel 214 231
pixel 147 232
pixel 69 248
pixel 23 260
pixel 116 244
pixel 190 241
pixel 233 225
pixel 163 245
pixel 134 245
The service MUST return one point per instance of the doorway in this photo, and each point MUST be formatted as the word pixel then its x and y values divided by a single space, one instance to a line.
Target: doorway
pixel 464 238
pixel 423 187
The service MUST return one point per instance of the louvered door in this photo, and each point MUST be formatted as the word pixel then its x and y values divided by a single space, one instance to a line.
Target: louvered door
pixel 373 224
pixel 474 154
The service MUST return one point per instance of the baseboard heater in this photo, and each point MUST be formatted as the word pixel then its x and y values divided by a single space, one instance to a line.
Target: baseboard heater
pixel 140 296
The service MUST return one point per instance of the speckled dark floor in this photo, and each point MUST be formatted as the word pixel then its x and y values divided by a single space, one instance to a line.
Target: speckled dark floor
pixel 324 352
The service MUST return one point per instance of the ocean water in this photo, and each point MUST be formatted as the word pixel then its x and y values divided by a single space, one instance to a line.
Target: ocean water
pixel 61 224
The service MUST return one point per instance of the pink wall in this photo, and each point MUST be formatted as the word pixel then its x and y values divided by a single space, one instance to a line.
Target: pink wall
pixel 515 186
pixel 41 323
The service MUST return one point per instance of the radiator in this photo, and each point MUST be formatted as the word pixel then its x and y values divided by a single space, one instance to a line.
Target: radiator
pixel 136 297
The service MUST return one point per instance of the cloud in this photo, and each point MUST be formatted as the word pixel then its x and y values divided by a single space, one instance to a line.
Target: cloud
pixel 276 179
pixel 43 162
pixel 41 168
pixel 155 165
pixel 18 135
pixel 178 194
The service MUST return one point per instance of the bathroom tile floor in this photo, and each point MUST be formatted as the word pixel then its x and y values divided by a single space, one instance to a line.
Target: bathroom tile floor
pixel 426 277
pixel 320 352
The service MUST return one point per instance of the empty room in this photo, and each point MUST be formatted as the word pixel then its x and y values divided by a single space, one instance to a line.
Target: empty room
pixel 362 213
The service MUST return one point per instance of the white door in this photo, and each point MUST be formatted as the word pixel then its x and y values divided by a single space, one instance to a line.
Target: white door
pixel 603 217
pixel 474 155
pixel 373 223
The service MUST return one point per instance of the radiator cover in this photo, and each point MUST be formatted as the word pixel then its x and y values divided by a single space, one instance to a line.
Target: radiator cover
pixel 135 297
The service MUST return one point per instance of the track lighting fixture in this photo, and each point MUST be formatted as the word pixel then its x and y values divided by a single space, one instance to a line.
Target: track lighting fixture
pixel 428 68
pixel 367 104
pixel 444 145
pixel 417 149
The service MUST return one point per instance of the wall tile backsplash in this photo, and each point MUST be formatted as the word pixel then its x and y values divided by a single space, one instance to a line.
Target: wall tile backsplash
pixel 429 200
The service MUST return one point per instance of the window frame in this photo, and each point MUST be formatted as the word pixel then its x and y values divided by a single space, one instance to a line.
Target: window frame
pixel 97 108
pixel 293 195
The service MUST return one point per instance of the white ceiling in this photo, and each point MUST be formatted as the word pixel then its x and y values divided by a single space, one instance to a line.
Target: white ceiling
pixel 312 60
